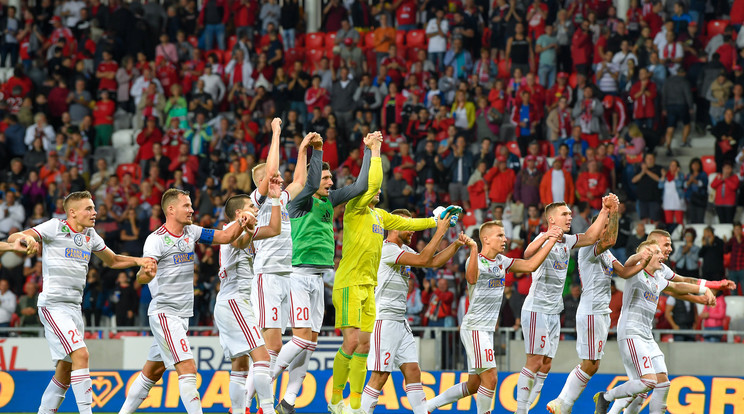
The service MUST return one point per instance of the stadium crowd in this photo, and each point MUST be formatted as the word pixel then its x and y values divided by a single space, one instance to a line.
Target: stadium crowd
pixel 501 108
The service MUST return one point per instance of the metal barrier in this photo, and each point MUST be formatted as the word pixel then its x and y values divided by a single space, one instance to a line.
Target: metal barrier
pixel 448 352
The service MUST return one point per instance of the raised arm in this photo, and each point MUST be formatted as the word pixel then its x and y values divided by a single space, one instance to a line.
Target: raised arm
pixel 530 265
pixel 472 272
pixel 275 222
pixel 609 235
pixel 683 289
pixel 301 203
pixel 633 265
pixel 272 160
pixel 425 258
pixel 230 234
pixel 346 193
pixel 395 222
pixel 361 202
pixel 535 245
pixel 595 230
pixel 724 284
pixel 300 173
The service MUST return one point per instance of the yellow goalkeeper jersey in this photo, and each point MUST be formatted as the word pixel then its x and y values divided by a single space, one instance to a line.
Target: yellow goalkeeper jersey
pixel 364 232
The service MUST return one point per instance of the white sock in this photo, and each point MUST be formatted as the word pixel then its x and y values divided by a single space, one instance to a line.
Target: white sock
pixel 290 351
pixel 272 360
pixel 237 391
pixel 658 403
pixel 250 386
pixel 575 385
pixel 537 388
pixel 635 406
pixel 81 387
pixel 189 393
pixel 297 372
pixel 449 396
pixel 483 400
pixel 630 388
pixel 619 405
pixel 369 399
pixel 524 387
pixel 53 397
pixel 262 381
pixel 136 394
pixel 416 398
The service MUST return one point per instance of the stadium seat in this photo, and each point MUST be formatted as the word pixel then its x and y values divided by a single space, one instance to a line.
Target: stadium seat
pixel 371 61
pixel 231 42
pixel 293 55
pixel 131 168
pixel 330 40
pixel 416 38
pixel 122 138
pixel 514 148
pixel 194 41
pixel 122 119
pixel 735 311
pixel 369 40
pixel 300 40
pixel 400 38
pixel 125 155
pixel 106 152
pixel 709 164
pixel 401 52
pixel 314 40
pixel 723 230
pixel 313 57
pixel 716 27
pixel 412 54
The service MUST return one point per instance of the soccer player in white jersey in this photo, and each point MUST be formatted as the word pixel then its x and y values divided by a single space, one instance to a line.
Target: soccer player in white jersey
pixel 233 313
pixel 541 311
pixel 486 276
pixel 642 358
pixel 172 247
pixel 392 344
pixel 68 245
pixel 596 267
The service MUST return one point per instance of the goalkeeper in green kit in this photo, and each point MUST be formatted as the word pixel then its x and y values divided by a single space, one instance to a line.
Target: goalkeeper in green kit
pixel 313 251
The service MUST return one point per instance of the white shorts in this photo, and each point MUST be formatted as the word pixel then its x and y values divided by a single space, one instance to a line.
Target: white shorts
pixel 479 349
pixel 641 357
pixel 270 300
pixel 391 346
pixel 541 332
pixel 171 343
pixel 306 299
pixel 239 333
pixel 63 329
pixel 591 335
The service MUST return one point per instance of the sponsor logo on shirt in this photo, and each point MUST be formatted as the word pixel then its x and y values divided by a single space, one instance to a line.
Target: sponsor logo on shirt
pixel 183 245
pixel 651 297
pixel 285 216
pixel 78 239
pixel 496 283
pixel 376 228
pixel 560 265
pixel 183 258
pixel 77 254
pixel 168 240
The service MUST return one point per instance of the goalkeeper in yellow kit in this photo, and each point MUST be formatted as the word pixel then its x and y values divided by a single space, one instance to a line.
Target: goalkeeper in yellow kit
pixel 356 278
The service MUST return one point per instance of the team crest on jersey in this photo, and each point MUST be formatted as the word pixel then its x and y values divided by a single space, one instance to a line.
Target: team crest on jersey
pixel 78 239
pixel 183 245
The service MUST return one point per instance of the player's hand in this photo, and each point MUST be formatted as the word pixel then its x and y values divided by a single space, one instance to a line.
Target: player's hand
pixel 28 245
pixel 276 125
pixel 555 232
pixel 247 220
pixel 306 141
pixel 317 142
pixel 275 187
pixel 710 297
pixel 444 223
pixel 608 202
pixel 646 255
pixel 149 266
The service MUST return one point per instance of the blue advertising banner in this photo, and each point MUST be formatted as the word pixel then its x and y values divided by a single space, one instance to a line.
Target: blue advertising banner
pixel 20 392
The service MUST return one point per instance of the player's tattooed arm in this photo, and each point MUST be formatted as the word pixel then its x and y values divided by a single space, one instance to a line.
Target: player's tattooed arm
pixel 275 222
pixel 530 265
pixel 29 238
pixel 609 235
pixel 595 230
pixel 633 265
pixel 426 258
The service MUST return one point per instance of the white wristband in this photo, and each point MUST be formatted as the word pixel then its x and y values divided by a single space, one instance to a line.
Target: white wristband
pixel 702 288
pixel 276 202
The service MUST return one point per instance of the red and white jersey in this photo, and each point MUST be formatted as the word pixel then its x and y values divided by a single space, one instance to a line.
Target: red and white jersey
pixel 392 283
pixel 595 271
pixel 665 272
pixel 64 260
pixel 546 292
pixel 640 298
pixel 173 286
pixel 236 270
pixel 487 293
pixel 273 255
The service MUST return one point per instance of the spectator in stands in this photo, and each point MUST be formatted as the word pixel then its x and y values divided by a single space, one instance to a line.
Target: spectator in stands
pixel 459 59
pixel 342 100
pixel 547 46
pixel 687 257
pixel 587 114
pixel 126 301
pixel 40 129
pixel 525 118
pixel 696 192
pixel 672 184
pixel 437 30
pixel 718 94
pixel 500 181
pixel 712 255
pixel 643 93
pixel 728 136
pixel 680 315
pixel 647 183
pixel 527 183
pixel 615 115
pixel 7 305
pixel 570 306
pixel 557 185
pixel 713 317
pixel 12 214
pixel 559 123
pixel 591 185
pixel 638 237
pixel 725 186
pixel 438 303
pixel 677 105
pixel 27 310
pixel 735 247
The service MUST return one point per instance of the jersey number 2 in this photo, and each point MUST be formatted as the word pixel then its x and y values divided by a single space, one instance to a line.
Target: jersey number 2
pixel 73 333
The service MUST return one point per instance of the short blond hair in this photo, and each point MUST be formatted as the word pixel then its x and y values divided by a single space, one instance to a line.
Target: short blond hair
pixel 487 225
pixel 257 171
pixel 645 244
pixel 659 232
pixel 76 196
pixel 170 196
pixel 552 206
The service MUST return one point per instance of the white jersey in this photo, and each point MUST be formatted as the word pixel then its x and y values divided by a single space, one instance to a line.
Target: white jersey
pixel 236 270
pixel 172 288
pixel 665 273
pixel 273 255
pixel 392 283
pixel 640 299
pixel 595 272
pixel 65 257
pixel 487 293
pixel 546 292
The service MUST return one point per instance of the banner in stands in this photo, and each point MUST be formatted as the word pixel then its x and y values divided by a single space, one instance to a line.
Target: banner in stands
pixel 20 391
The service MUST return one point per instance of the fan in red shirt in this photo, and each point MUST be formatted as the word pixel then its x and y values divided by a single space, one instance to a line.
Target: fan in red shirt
pixel 559 89
pixel 63 35
pixel 500 182
pixel 405 14
pixel 581 48
pixel 537 94
pixel 167 74
pixel 106 73
pixel 186 163
pixel 396 67
pixel 103 119
pixel 536 15
pixel 643 94
pixel 591 185
pixel 615 114
pixel 172 140
pixel 354 162
pixel 191 71
pixel 149 135
pixel 330 148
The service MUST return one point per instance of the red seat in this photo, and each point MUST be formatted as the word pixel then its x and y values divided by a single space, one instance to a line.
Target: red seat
pixel 132 169
pixel 369 40
pixel 314 40
pixel 313 57
pixel 293 55
pixel 416 38
pixel 546 149
pixel 330 40
pixel 401 52
pixel 371 62
pixel 231 42
pixel 91 335
pixel 709 164
pixel 411 55
pixel 716 27
pixel 572 80
pixel 300 40
pixel 514 148
pixel 400 38
pixel 120 335
pixel 194 41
